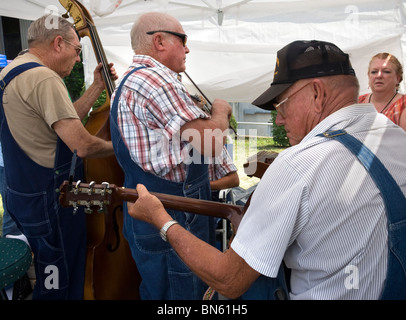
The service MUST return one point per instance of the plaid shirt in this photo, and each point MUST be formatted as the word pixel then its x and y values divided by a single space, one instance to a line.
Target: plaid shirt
pixel 153 106
pixel 221 166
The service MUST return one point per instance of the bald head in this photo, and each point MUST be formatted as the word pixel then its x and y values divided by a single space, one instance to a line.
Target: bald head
pixel 140 40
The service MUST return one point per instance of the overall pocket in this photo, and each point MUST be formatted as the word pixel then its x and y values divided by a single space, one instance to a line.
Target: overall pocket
pixel 31 212
pixel 51 268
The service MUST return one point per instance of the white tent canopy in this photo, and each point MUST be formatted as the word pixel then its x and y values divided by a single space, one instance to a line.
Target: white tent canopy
pixel 233 43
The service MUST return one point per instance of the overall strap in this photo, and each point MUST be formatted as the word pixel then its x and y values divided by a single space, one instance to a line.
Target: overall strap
pixel 6 80
pixel 394 199
pixel 395 202
pixel 118 90
pixel 15 72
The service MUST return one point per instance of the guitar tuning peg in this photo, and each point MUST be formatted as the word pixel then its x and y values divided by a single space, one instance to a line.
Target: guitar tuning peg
pixel 91 188
pixel 75 207
pixel 76 190
pixel 106 186
pixel 88 209
pixel 66 15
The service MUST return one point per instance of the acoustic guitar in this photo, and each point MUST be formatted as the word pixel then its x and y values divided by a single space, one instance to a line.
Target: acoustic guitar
pixel 97 196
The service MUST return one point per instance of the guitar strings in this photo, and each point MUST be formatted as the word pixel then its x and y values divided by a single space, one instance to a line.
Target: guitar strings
pixel 102 58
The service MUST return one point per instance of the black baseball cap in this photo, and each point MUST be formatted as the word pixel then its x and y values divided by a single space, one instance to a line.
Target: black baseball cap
pixel 303 60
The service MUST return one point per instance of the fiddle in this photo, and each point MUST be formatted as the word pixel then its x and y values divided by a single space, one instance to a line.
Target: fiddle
pixel 203 102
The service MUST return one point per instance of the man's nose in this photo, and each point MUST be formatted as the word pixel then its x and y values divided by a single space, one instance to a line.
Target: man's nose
pixel 279 120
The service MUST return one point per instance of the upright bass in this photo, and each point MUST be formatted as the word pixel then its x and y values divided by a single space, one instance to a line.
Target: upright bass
pixel 111 272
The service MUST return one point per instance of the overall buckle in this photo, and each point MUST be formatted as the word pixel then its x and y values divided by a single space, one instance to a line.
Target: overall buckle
pixel 331 134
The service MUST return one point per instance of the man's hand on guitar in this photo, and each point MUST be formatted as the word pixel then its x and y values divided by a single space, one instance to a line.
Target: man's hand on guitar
pixel 148 208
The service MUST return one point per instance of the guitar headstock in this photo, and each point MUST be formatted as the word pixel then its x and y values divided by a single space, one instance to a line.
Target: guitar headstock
pixel 92 196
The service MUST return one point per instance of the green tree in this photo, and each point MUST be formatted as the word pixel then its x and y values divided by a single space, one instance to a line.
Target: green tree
pixel 75 81
pixel 278 132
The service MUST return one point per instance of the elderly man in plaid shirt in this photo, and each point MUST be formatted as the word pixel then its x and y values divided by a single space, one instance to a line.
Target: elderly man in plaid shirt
pixel 162 139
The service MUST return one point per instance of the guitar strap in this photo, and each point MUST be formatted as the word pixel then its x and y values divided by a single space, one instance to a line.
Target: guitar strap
pixel 395 202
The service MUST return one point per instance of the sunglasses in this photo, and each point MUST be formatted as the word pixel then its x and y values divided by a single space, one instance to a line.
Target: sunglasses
pixel 77 48
pixel 182 36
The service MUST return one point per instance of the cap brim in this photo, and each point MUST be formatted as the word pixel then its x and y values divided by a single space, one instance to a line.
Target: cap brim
pixel 266 100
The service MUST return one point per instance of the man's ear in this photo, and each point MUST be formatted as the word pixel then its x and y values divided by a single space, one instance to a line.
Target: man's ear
pixel 319 92
pixel 56 44
pixel 158 41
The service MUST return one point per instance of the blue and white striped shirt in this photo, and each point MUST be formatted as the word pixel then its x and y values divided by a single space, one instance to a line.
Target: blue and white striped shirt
pixel 317 208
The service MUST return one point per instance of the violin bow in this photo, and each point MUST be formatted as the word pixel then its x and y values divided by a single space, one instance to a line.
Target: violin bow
pixel 204 96
pixel 196 86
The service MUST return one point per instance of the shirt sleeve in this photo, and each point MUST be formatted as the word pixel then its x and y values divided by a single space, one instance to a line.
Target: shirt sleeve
pixel 151 125
pixel 171 107
pixel 277 211
pixel 221 166
pixel 57 106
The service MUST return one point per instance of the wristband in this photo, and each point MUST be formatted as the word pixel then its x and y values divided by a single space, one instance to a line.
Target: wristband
pixel 165 228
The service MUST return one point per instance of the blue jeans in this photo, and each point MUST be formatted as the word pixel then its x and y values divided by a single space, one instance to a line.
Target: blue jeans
pixel 164 275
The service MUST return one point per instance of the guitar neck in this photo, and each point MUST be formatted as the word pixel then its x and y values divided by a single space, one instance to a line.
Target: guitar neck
pixel 203 207
pixel 93 195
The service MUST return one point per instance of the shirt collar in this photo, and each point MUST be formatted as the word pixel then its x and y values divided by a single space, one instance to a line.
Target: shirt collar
pixel 151 62
pixel 340 119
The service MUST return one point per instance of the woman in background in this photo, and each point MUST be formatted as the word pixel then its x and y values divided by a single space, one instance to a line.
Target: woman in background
pixel 385 73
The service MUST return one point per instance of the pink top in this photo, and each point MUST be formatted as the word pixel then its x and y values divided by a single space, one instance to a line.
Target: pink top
pixel 393 112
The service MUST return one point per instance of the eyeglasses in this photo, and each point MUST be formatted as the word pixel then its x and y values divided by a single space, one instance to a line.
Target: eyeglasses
pixel 77 48
pixel 279 107
pixel 180 35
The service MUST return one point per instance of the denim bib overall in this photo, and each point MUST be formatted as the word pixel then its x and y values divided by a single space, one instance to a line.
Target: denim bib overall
pixel 395 203
pixel 164 275
pixel 57 237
